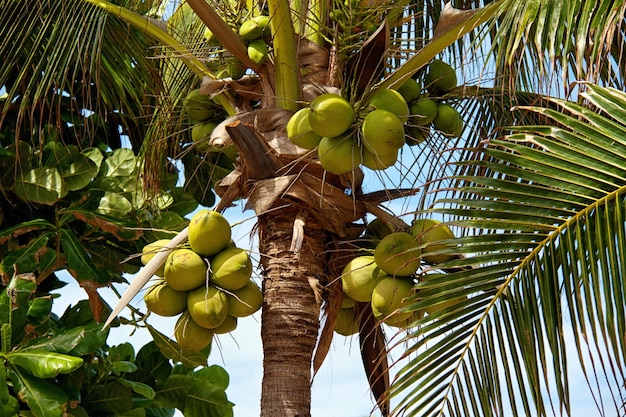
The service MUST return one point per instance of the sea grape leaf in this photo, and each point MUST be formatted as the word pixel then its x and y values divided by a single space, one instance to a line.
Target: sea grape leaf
pixel 79 173
pixel 160 412
pixel 112 397
pixel 44 364
pixel 95 155
pixel 184 203
pixel 40 185
pixel 165 223
pixel 59 156
pixel 120 229
pixel 114 204
pixel 43 398
pixel 14 302
pixel 79 264
pixel 107 184
pixel 120 367
pixel 122 352
pixel 120 163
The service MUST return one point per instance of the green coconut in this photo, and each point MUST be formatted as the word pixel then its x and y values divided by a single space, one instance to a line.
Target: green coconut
pixel 185 270
pixel 209 232
pixel 165 301
pixel 245 301
pixel 347 322
pixel 151 249
pixel 360 276
pixel 231 269
pixel 396 254
pixel 388 296
pixel 208 306
pixel 427 231
pixel 189 335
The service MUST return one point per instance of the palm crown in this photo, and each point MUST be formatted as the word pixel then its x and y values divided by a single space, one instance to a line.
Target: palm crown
pixel 533 188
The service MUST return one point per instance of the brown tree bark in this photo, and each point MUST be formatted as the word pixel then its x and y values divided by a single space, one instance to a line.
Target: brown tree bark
pixel 290 317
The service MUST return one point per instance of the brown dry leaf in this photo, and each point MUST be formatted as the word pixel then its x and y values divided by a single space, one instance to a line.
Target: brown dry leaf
pixel 367 66
pixel 330 313
pixel 451 17
pixel 374 355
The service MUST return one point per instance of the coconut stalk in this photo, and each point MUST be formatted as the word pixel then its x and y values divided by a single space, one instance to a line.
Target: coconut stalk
pixel 287 82
pixel 227 37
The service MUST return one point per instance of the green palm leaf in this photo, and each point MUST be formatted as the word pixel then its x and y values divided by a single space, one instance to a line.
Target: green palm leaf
pixel 70 59
pixel 542 280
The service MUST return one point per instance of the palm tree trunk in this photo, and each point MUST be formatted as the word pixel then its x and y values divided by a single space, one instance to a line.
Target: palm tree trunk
pixel 290 317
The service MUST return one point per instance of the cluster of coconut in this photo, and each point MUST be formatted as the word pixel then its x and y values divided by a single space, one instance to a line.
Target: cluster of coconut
pixel 373 135
pixel 207 282
pixel 387 278
pixel 345 141
pixel 428 108
pixel 255 33
pixel 205 115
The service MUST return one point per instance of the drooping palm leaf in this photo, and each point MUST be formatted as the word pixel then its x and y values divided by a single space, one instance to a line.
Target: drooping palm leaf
pixel 69 59
pixel 544 291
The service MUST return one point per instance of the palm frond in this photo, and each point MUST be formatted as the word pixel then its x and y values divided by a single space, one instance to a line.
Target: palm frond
pixel 539 290
pixel 560 42
pixel 71 58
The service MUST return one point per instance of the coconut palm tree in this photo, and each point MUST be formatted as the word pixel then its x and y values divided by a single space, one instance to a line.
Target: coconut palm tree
pixel 532 187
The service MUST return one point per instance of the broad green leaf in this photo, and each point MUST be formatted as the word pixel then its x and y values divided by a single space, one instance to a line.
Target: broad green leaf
pixel 134 412
pixel 14 304
pixel 43 398
pixel 120 367
pixel 152 364
pixel 214 374
pixel 39 310
pixel 173 393
pixel 77 341
pixel 206 400
pixel 167 221
pixel 78 262
pixel 77 315
pixel 77 411
pixel 95 155
pixel 25 227
pixel 25 260
pixel 184 203
pixel 115 205
pixel 58 155
pixel 112 397
pixel 120 228
pixel 122 352
pixel 5 337
pixel 160 412
pixel 41 185
pixel 44 364
pixel 120 163
pixel 139 388
pixel 108 184
pixel 9 405
pixel 171 350
pixel 79 173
